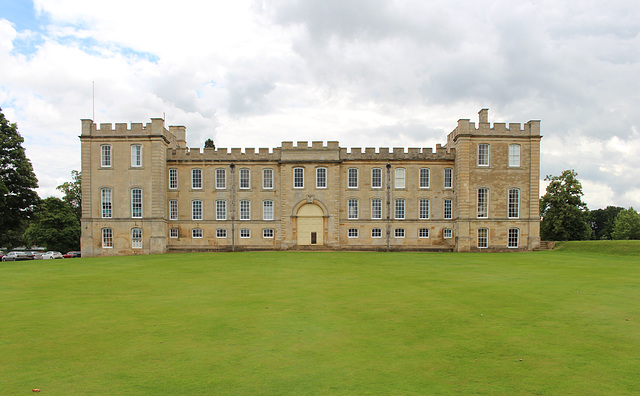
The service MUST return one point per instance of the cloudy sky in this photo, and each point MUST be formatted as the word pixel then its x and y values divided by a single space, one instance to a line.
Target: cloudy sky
pixel 368 73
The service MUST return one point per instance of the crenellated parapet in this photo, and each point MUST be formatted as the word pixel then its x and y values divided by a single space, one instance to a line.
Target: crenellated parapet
pixel 498 129
pixel 175 135
pixel 398 154
pixel 223 154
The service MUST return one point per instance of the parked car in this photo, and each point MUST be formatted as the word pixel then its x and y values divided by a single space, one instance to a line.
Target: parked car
pixel 52 255
pixel 37 255
pixel 17 256
pixel 71 254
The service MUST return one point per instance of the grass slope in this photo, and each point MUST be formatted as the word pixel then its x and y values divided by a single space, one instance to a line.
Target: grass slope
pixel 297 323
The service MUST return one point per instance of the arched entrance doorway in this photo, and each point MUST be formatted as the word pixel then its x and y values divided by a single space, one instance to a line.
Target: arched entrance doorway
pixel 310 225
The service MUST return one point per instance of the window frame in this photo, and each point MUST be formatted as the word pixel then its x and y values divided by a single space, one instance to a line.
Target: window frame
pixel 136 203
pixel 221 178
pixel 174 232
pixel 221 233
pixel 244 179
pixel 107 238
pixel 136 240
pixel 375 178
pixel 266 232
pixel 173 209
pixel 482 203
pixel 399 233
pixel 511 238
pixel 136 155
pixel 321 178
pixel 353 233
pixel 267 181
pixel 375 210
pixel 400 178
pixel 197 210
pixel 268 210
pixel 352 178
pixel 298 177
pixel 198 179
pixel 106 202
pixel 173 178
pixel 105 156
pixel 245 233
pixel 514 158
pixel 513 207
pixel 245 209
pixel 423 209
pixel 377 231
pixel 483 154
pixel 448 177
pixel 424 178
pixel 399 206
pixel 422 231
pixel 197 233
pixel 448 205
pixel 482 240
pixel 352 209
pixel 447 233
pixel 221 209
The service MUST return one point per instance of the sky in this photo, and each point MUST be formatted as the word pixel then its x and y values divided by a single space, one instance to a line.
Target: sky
pixel 367 73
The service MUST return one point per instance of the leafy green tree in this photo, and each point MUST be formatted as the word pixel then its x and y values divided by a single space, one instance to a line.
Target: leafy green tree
pixel 209 144
pixel 55 226
pixel 602 220
pixel 564 215
pixel 627 225
pixel 18 197
pixel 72 193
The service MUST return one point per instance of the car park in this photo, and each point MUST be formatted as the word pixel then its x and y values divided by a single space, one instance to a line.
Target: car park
pixel 71 254
pixel 52 255
pixel 17 256
pixel 37 255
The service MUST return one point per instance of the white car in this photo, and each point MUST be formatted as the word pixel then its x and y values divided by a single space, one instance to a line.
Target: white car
pixel 52 255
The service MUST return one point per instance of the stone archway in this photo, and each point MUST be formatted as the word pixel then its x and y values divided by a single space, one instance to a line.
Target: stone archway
pixel 310 225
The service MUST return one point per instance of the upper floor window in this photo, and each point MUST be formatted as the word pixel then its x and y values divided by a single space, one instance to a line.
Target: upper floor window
pixel 107 204
pixel 423 208
pixel 352 178
pixel 196 178
pixel 448 209
pixel 267 178
pixel 221 210
pixel 483 203
pixel 424 177
pixel 483 238
pixel 514 155
pixel 448 177
pixel 245 177
pixel 400 178
pixel 376 208
pixel 173 209
pixel 136 155
pixel 399 212
pixel 136 238
pixel 298 177
pixel 245 209
pixel 221 179
pixel 136 203
pixel 321 177
pixel 267 210
pixel 483 154
pixel 107 238
pixel 353 209
pixel 514 203
pixel 105 155
pixel 376 178
pixel 173 178
pixel 196 210
pixel 514 236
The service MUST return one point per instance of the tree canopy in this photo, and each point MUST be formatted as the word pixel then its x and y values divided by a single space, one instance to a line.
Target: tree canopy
pixel 564 215
pixel 55 226
pixel 627 225
pixel 209 144
pixel 18 182
pixel 72 193
pixel 602 221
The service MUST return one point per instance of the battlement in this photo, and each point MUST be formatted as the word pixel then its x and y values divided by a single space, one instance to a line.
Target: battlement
pixel 398 154
pixel 176 135
pixel 467 128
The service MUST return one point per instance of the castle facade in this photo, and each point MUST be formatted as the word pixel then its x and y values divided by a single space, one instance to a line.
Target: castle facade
pixel 145 192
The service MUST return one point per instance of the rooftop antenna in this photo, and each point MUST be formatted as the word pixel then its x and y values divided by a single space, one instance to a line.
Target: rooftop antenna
pixel 93 97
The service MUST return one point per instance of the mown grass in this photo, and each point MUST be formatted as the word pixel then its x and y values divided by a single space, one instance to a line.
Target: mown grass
pixel 293 323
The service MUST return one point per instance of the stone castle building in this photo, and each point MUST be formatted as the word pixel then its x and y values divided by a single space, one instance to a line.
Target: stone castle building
pixel 145 192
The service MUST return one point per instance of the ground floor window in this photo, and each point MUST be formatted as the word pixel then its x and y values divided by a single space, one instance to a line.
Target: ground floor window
pixel 514 236
pixel 107 238
pixel 376 233
pixel 245 233
pixel 423 233
pixel 197 233
pixel 483 238
pixel 173 233
pixel 399 233
pixel 353 232
pixel 136 238
pixel 267 233
pixel 447 233
pixel 221 233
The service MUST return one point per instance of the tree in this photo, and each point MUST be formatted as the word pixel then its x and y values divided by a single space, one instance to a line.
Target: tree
pixel 602 220
pixel 209 144
pixel 72 193
pixel 55 226
pixel 18 197
pixel 564 215
pixel 627 225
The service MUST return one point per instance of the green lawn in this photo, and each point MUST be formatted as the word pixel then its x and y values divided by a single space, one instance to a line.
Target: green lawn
pixel 296 323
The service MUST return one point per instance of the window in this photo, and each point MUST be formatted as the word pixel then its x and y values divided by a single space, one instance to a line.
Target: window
pixel 400 178
pixel 514 203
pixel 448 210
pixel 173 233
pixel 423 208
pixel 321 177
pixel 267 179
pixel 423 233
pixel 221 210
pixel 376 208
pixel 376 233
pixel 221 233
pixel 298 177
pixel 245 233
pixel 245 177
pixel 399 233
pixel 447 233
pixel 245 210
pixel 107 238
pixel 483 238
pixel 173 209
pixel 136 238
pixel 448 177
pixel 353 209
pixel 105 155
pixel 514 155
pixel 173 178
pixel 353 233
pixel 106 203
pixel 399 212
pixel 197 233
pixel 376 178
pixel 267 233
pixel 483 203
pixel 352 177
pixel 514 236
pixel 424 177
pixel 267 210
pixel 196 210
pixel 221 179
pixel 136 155
pixel 196 178
pixel 483 154
pixel 136 203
